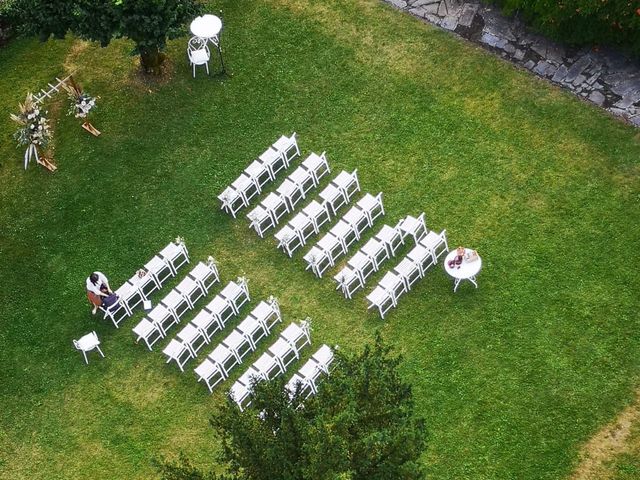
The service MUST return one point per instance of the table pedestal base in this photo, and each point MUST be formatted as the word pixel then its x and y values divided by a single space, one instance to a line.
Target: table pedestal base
pixel 457 282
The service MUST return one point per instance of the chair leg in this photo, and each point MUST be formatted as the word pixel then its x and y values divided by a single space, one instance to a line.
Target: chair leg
pixel 85 357
pixel 194 70
pixel 207 66
pixel 98 347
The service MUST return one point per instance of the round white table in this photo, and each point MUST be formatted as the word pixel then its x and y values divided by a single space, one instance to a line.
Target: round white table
pixel 206 27
pixel 465 271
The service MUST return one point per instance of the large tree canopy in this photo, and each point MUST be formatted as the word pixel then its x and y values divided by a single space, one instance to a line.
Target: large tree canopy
pixel 359 426
pixel 148 23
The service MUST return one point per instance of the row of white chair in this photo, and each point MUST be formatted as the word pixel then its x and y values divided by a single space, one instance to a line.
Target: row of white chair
pixel 170 310
pixel 305 381
pixel 293 189
pixel 410 269
pixel 368 260
pixel 242 340
pixel 284 351
pixel 343 234
pixel 136 290
pixel 260 172
pixel 308 222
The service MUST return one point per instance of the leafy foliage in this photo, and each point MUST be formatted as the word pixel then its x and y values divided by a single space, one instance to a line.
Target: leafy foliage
pixel 149 23
pixel 360 425
pixel 583 22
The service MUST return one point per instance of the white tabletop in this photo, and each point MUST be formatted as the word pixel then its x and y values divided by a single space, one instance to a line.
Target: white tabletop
pixel 466 269
pixel 206 26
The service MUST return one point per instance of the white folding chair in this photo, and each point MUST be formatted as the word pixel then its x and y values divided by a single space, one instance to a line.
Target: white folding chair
pixel 318 261
pixel 253 330
pixel 324 357
pixel 349 281
pixel 297 335
pixel 207 323
pixel 268 367
pixel 416 227
pixel 391 237
pixel 178 352
pixel 261 220
pixel 317 165
pixel 381 299
pixel 267 313
pixel 198 53
pixel 159 269
pixel 193 338
pixel 221 308
pixel 291 192
pixel 274 161
pixel 144 282
pixel 147 331
pixel 345 233
pixel 376 251
pixel 239 344
pixel 247 187
pixel 276 205
pixel 310 372
pixel 437 243
pixel 163 317
pixel 363 265
pixel 303 225
pixel 210 373
pixel 206 274
pixel 284 353
pixel 304 179
pixel 231 201
pixel 409 271
pixel 259 173
pixel 237 293
pixel 422 257
pixel 318 213
pixel 333 245
pixel 288 147
pixel 394 284
pixel 175 255
pixel 299 384
pixel 116 312
pixel 191 290
pixel 87 343
pixel 130 296
pixel 288 240
pixel 358 219
pixel 371 206
pixel 240 394
pixel 333 197
pixel 225 358
pixel 177 303
pixel 348 183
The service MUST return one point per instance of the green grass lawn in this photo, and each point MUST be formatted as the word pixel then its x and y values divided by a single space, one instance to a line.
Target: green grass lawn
pixel 512 377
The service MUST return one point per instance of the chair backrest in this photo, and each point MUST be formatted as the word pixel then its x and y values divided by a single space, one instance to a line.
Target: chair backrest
pixel 197 43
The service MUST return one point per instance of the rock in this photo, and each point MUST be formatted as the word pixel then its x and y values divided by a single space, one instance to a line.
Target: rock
pixel 530 64
pixel 560 74
pixel 597 98
pixel 541 68
pixel 579 80
pixel 628 100
pixel 490 39
pixel 555 54
pixel 418 11
pixel 577 68
pixel 540 47
pixel 519 55
pixel 624 87
pixel 497 25
pixel 449 23
pixel 593 78
pixel 469 11
pixel 399 3
pixel 636 120
pixel 551 70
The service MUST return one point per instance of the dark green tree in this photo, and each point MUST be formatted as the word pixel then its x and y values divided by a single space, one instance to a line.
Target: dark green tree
pixel 148 23
pixel 361 425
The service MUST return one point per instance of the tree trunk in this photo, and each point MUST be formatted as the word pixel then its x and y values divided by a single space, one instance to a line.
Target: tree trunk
pixel 151 59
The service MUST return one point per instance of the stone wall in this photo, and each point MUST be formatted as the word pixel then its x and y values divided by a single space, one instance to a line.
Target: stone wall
pixel 603 77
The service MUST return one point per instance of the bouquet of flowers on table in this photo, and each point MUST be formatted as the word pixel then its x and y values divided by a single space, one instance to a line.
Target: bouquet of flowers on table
pixel 34 131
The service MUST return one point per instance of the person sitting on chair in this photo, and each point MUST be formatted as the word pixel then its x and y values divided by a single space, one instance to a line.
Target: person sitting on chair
pixel 97 288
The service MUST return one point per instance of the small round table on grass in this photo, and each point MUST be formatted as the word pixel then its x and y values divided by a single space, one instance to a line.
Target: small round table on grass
pixel 465 271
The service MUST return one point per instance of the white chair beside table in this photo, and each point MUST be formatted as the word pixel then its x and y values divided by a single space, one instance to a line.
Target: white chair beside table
pixel 198 53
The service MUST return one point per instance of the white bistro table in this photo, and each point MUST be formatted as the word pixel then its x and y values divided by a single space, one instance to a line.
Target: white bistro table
pixel 207 27
pixel 465 271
